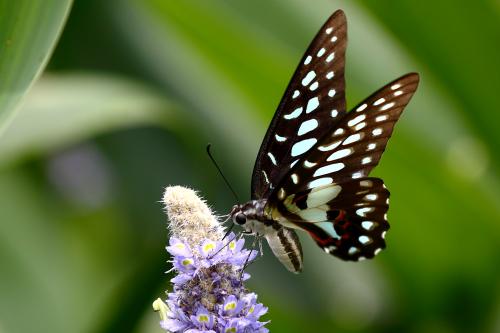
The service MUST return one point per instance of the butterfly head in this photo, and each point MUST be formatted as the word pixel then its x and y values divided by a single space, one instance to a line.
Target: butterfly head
pixel 247 214
pixel 239 214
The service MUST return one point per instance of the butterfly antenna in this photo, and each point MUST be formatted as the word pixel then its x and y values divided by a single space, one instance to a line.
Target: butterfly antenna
pixel 220 172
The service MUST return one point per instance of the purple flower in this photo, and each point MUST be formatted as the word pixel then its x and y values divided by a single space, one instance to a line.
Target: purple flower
pixel 208 292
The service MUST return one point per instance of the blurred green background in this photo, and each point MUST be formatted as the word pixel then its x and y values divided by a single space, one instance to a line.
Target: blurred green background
pixel 135 89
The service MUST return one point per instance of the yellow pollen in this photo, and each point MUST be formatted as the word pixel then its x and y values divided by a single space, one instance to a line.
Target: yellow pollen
pixel 208 247
pixel 179 245
pixel 251 309
pixel 232 245
pixel 203 318
pixel 186 262
pixel 230 306
pixel 231 330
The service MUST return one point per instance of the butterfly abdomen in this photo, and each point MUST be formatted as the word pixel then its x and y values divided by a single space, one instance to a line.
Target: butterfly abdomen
pixel 285 245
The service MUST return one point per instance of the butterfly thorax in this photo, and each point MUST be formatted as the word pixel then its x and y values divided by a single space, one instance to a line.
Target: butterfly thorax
pixel 256 218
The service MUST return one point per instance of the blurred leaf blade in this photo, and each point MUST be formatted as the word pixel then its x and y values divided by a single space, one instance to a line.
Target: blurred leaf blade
pixel 89 104
pixel 464 59
pixel 28 33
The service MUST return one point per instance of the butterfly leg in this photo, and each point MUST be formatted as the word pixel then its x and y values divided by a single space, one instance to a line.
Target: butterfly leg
pixel 247 260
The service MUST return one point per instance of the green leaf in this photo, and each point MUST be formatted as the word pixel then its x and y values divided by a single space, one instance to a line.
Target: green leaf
pixel 28 33
pixel 65 109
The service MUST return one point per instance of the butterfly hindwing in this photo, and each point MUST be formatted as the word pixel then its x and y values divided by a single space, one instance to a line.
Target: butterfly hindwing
pixel 312 104
pixel 347 220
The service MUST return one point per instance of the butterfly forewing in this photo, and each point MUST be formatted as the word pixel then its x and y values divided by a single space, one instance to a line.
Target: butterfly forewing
pixel 354 146
pixel 311 106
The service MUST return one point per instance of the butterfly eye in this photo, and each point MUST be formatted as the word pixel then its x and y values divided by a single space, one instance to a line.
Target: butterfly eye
pixel 240 218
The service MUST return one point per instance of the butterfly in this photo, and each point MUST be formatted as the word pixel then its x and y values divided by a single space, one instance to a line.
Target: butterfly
pixel 311 172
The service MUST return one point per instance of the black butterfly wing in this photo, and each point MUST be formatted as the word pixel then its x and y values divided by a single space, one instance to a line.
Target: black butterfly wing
pixel 354 146
pixel 348 220
pixel 327 193
pixel 312 104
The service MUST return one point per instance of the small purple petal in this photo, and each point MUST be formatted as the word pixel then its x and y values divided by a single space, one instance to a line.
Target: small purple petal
pixel 184 264
pixel 208 248
pixel 178 248
pixel 173 325
pixel 203 319
pixel 232 306
pixel 255 311
pixel 181 279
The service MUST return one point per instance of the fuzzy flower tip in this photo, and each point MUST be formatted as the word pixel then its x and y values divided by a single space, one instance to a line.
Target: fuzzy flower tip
pixel 208 292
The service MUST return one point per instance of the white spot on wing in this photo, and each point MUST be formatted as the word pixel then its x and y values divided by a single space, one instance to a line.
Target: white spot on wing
pixel 334 113
pixel 361 108
pixel 330 249
pixel 321 195
pixel 302 146
pixel 265 176
pixel 381 118
pixel 395 86
pixel 279 138
pixel 328 169
pixel 307 126
pixel 338 131
pixel 294 114
pixel 307 60
pixel 293 163
pixel 312 104
pixel 352 138
pixel 330 57
pixel 379 101
pixel 356 120
pixel 330 146
pixel 313 214
pixel 329 75
pixel 329 30
pixel 296 94
pixel 367 225
pixel 308 164
pixel 334 39
pixel 362 211
pixel 372 146
pixel 357 175
pixel 366 183
pixel 320 182
pixel 331 92
pixel 339 154
pixel 366 160
pixel 397 93
pixel 387 106
pixel 377 131
pixel 295 178
pixel 314 86
pixel 329 228
pixel 371 197
pixel 360 126
pixel 272 158
pixel 352 250
pixel 377 251
pixel 308 78
pixel 321 52
pixel 364 239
